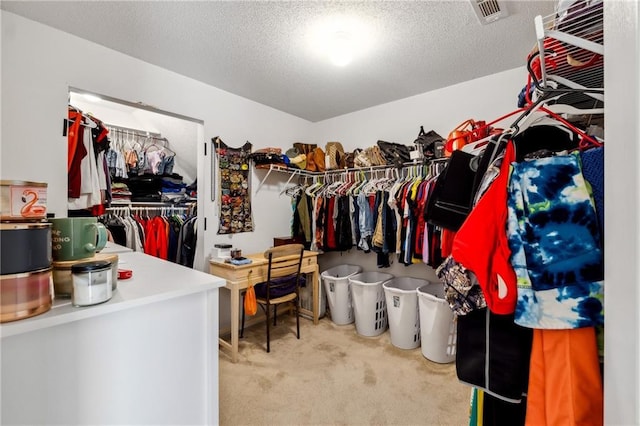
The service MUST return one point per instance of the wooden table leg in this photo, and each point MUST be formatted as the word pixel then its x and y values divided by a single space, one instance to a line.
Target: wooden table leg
pixel 235 303
pixel 316 295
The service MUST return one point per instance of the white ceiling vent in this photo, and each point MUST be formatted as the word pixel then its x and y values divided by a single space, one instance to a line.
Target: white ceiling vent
pixel 489 11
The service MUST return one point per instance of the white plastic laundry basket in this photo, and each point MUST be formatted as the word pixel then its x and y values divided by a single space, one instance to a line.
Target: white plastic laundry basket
pixel 369 304
pixel 336 285
pixel 437 325
pixel 402 311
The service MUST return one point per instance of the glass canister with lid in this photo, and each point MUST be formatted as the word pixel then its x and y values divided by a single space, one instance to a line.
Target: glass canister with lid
pixel 63 280
pixel 92 283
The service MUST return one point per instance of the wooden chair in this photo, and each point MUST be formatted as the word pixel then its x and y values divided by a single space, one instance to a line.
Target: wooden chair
pixel 282 285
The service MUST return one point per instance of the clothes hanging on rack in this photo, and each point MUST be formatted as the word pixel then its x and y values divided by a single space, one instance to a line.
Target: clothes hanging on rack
pixel 550 238
pixel 564 219
pixel 164 232
pixel 111 163
pixel 88 181
pixel 136 152
pixel 380 214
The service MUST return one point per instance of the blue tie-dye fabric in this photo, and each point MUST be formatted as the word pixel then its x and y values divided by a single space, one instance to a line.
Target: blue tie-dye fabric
pixel 554 238
pixel 592 161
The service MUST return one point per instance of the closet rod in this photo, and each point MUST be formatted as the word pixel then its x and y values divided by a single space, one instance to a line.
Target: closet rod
pixel 283 169
pixel 120 203
pixel 162 211
pixel 143 208
pixel 136 132
pixel 370 169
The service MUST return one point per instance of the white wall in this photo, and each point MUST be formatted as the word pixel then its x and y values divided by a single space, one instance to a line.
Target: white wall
pixel 622 220
pixel 441 110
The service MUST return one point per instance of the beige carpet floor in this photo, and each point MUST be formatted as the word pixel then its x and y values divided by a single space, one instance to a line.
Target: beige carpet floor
pixel 333 376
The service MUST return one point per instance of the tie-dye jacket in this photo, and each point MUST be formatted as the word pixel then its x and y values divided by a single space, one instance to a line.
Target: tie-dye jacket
pixel 554 238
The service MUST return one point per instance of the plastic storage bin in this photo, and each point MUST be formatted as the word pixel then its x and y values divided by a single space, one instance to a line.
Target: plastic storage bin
pixel 437 326
pixel 306 298
pixel 402 311
pixel 336 285
pixel 369 304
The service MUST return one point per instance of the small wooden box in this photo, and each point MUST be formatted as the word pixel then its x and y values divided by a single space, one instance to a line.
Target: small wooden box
pixel 280 241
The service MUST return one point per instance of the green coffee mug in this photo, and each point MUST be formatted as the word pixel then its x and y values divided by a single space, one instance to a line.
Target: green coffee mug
pixel 76 238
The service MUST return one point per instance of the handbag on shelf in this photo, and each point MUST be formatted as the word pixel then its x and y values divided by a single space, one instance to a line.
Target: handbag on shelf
pixel 350 158
pixel 466 132
pixel 308 150
pixel 361 159
pixel 266 158
pixel 430 143
pixel 369 157
pixel 394 153
pixel 334 156
pixel 319 159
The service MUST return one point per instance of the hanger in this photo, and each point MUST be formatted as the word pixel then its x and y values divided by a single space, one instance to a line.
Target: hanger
pixel 355 190
pixel 87 121
pixel 542 118
pixel 350 181
pixel 571 110
pixel 147 147
pixel 538 114
pixel 332 189
pixel 553 119
pixel 165 146
pixel 311 189
pixel 586 140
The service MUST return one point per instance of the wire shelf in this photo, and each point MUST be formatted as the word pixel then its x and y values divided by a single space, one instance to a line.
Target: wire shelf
pixel 569 57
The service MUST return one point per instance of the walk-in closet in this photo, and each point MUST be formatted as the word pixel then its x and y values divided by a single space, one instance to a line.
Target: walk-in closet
pixel 458 145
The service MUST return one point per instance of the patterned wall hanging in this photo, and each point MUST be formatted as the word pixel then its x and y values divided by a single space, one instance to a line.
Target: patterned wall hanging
pixel 235 191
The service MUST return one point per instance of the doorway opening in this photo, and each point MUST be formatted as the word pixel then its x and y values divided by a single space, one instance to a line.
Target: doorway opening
pixel 146 165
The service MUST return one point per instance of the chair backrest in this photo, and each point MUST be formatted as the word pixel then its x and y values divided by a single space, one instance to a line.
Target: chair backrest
pixel 284 260
pixel 283 275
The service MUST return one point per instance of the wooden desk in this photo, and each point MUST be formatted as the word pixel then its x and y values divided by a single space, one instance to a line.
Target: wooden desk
pixel 239 277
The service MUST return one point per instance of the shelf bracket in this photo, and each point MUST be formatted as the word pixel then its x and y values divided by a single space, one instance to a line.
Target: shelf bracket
pixel 263 180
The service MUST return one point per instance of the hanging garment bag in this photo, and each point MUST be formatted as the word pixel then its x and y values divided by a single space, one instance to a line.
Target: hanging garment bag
pixel 450 202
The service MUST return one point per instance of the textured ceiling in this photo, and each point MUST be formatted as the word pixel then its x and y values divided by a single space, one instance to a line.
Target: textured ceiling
pixel 260 49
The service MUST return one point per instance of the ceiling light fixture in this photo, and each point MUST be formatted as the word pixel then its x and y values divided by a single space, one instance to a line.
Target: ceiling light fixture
pixel 341 39
pixel 341 49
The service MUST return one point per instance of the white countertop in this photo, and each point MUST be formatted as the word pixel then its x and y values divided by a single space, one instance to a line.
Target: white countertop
pixel 153 280
pixel 112 247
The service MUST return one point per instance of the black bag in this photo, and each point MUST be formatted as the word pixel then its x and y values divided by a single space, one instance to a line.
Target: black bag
pixel 394 153
pixel 492 353
pixel 430 144
pixel 260 158
pixel 451 200
pixel 453 196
